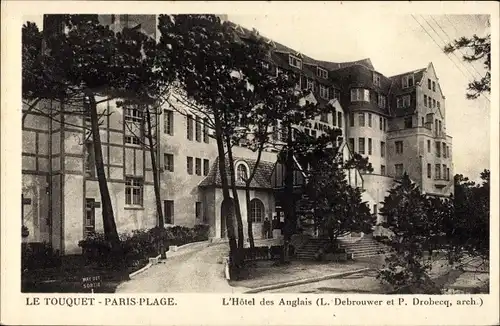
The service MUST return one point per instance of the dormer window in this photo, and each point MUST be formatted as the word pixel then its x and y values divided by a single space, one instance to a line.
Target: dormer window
pixel 376 79
pixel 323 91
pixel 381 101
pixel 408 81
pixel 360 95
pixel 323 73
pixel 403 101
pixel 295 62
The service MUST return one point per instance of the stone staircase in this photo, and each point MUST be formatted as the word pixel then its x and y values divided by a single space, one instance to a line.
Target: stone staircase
pixel 357 247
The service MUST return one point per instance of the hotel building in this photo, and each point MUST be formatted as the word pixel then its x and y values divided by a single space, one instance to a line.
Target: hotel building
pixel 397 122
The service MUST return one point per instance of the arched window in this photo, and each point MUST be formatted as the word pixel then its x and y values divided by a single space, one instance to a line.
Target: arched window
pixel 256 211
pixel 241 172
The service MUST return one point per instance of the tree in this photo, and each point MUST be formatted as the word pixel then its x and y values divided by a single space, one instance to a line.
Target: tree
pixel 406 212
pixel 477 48
pixel 335 206
pixel 87 64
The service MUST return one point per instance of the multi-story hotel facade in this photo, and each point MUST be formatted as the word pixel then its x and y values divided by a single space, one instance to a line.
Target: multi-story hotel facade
pixel 397 122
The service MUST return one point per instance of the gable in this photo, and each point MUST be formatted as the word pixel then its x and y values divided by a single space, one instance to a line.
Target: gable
pixel 430 72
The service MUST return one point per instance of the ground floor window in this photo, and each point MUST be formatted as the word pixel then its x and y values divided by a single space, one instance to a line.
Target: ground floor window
pixel 89 227
pixel 169 211
pixel 134 191
pixel 256 210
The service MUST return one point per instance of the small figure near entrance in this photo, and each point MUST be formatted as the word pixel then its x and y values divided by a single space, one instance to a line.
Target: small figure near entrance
pixel 266 228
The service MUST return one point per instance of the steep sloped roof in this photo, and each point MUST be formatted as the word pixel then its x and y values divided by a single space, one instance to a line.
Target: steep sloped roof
pixel 261 180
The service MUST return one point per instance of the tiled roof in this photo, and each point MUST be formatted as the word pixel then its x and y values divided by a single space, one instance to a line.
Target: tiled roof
pixel 261 179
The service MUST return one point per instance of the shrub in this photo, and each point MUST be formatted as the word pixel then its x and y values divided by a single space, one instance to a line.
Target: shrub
pixel 37 255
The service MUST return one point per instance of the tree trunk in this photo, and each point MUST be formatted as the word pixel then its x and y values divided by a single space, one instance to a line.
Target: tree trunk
pixel 225 193
pixel 239 220
pixel 156 181
pixel 290 220
pixel 159 211
pixel 108 217
pixel 249 220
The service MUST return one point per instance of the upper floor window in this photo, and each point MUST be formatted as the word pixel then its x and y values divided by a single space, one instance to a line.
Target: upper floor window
pixel 334 93
pixel 310 84
pixel 134 191
pixel 376 79
pixel 323 91
pixel 168 122
pixel 408 122
pixel 381 101
pixel 133 114
pixel 408 81
pixel 359 94
pixel 399 170
pixel 323 73
pixel 361 148
pixel 90 170
pixel 351 144
pixel 399 147
pixel 429 83
pixel 369 119
pixel 339 119
pixel 438 105
pixel 324 117
pixel 403 101
pixel 351 119
pixel 206 166
pixel 189 127
pixel 361 118
pixel 382 149
pixel 189 165
pixel 425 100
pixel 433 86
pixel 295 62
pixel 433 103
pixel 168 162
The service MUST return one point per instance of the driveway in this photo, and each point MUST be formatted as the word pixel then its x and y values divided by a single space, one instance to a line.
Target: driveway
pixel 197 270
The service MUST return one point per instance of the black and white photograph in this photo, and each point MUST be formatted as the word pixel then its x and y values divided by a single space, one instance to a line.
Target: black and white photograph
pixel 242 153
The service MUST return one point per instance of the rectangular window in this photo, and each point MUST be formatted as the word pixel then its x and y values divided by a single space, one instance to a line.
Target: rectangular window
pixel 425 100
pixel 448 174
pixel 399 147
pixel 133 140
pixel 385 124
pixel 189 127
pixel 408 122
pixel 189 165
pixel 334 93
pixel 89 227
pixel 197 166
pixel 361 117
pixel 423 123
pixel 438 105
pixel 382 149
pixel 382 169
pixel 376 79
pixel 380 123
pixel 375 209
pixel 429 84
pixel 324 117
pixel 322 73
pixel 295 62
pixel 381 101
pixel 369 146
pixel 351 119
pixel 206 167
pixel 438 171
pixel 323 91
pixel 359 95
pixel 134 191
pixel 399 170
pixel 433 86
pixel 339 119
pixel 169 211
pixel 406 101
pixel 205 130
pixel 133 114
pixel 90 170
pixel 313 133
pixel 369 119
pixel 448 151
pixel 351 144
pixel 168 162
pixel 198 129
pixel 310 84
pixel 361 143
pixel 198 210
pixel 407 81
pixel 429 172
pixel 334 117
pixel 428 146
pixel 444 150
pixel 168 122
pixel 438 149
pixel 444 172
pixel 433 103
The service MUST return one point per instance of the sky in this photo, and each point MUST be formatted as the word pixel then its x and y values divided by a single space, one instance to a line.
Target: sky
pixel 395 44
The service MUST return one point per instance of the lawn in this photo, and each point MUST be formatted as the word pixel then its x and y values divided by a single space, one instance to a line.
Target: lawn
pixel 67 278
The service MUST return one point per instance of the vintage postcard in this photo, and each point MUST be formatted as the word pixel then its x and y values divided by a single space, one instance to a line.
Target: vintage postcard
pixel 249 163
